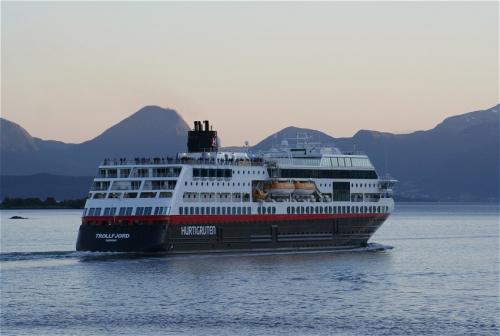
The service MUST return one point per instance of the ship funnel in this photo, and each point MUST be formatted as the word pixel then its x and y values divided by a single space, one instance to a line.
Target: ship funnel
pixel 202 139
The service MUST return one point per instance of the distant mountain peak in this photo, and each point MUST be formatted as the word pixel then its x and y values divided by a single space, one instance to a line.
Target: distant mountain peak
pixel 14 138
pixel 148 119
pixel 155 109
pixel 460 122
pixel 152 130
pixel 152 113
pixel 290 133
pixel 373 134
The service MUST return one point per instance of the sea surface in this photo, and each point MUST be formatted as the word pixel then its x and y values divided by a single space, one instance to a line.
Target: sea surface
pixel 440 278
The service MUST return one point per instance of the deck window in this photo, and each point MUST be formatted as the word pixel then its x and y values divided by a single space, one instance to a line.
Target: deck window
pixel 124 173
pixel 147 195
pixel 142 172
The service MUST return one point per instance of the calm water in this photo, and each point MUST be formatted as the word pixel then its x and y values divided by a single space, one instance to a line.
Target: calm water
pixel 441 278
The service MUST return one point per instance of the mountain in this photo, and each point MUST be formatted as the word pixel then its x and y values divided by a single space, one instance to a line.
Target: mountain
pixel 290 135
pixel 15 139
pixel 458 160
pixel 151 131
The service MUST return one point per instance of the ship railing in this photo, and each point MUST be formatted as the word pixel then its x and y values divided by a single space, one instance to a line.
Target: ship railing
pixel 99 188
pixel 165 175
pixel 353 152
pixel 201 161
pixel 387 183
pixel 121 188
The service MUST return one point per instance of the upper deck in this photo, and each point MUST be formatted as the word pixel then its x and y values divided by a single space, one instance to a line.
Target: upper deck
pixel 343 160
pixel 282 178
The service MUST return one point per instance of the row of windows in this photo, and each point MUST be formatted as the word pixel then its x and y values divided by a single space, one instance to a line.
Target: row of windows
pixel 139 172
pixel 143 211
pixel 212 172
pixel 236 197
pixel 234 184
pixel 107 211
pixel 135 185
pixel 159 185
pixel 327 161
pixel 127 211
pixel 366 185
pixel 249 172
pixel 100 185
pixel 126 185
pixel 263 210
pixel 336 209
pixel 215 210
pixel 162 210
pixel 131 195
pixel 322 173
pixel 345 162
pixel 146 211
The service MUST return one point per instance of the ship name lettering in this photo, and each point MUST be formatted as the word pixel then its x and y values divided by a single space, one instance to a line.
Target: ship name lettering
pixel 198 230
pixel 112 235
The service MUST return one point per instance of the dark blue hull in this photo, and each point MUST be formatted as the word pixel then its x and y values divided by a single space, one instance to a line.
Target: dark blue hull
pixel 216 236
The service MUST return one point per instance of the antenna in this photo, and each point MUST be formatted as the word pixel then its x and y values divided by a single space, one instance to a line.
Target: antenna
pixel 385 158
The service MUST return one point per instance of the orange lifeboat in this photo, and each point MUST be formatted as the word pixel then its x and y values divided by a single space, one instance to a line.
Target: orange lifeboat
pixel 304 187
pixel 279 188
pixel 259 194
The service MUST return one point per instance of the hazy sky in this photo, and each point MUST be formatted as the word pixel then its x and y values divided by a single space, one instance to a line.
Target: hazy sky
pixel 72 69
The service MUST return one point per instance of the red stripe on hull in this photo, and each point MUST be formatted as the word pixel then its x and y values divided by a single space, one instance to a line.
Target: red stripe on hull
pixel 201 219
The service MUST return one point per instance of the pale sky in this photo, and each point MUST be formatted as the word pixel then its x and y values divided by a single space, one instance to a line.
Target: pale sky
pixel 70 70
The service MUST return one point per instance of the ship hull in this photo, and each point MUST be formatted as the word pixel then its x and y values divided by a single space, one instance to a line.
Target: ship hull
pixel 204 234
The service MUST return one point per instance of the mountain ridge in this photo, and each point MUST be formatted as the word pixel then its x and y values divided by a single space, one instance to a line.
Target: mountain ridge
pixel 429 164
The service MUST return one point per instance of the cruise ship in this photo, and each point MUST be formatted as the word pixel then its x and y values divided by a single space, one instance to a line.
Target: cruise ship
pixel 300 197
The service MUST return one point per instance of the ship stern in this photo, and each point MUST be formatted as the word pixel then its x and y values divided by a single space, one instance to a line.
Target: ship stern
pixel 113 237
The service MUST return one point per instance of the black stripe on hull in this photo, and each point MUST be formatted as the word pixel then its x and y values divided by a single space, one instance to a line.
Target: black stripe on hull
pixel 328 233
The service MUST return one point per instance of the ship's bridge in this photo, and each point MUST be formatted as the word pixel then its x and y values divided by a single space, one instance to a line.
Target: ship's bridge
pixel 325 161
pixel 313 154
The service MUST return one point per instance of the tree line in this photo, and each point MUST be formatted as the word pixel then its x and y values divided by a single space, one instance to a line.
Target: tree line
pixel 37 203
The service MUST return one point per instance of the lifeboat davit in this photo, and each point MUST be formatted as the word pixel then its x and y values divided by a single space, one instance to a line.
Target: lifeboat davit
pixel 279 188
pixel 304 188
